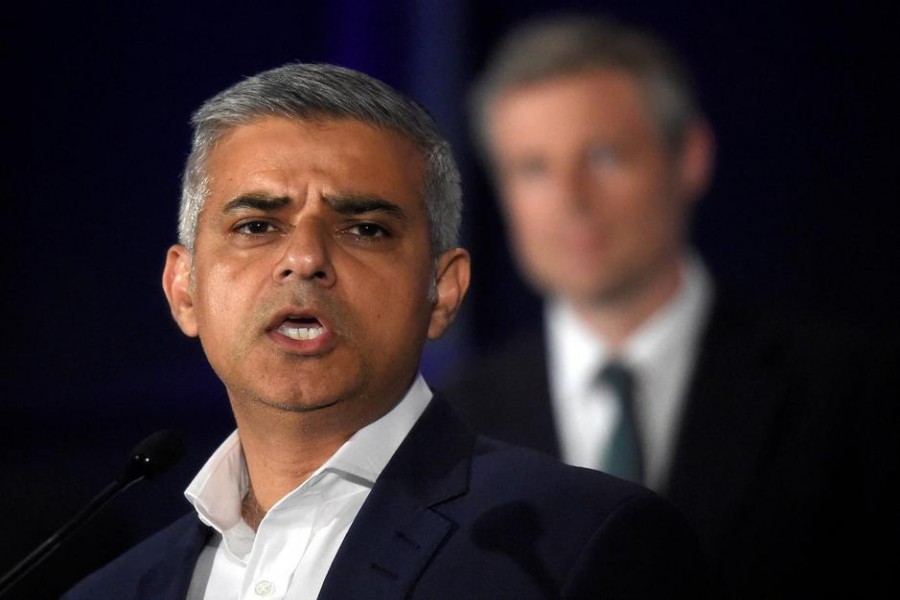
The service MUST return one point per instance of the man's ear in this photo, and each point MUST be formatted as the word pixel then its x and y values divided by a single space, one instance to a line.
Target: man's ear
pixel 697 159
pixel 451 282
pixel 176 282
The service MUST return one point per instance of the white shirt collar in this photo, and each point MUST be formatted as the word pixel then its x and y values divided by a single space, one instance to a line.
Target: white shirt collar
pixel 676 324
pixel 575 351
pixel 220 485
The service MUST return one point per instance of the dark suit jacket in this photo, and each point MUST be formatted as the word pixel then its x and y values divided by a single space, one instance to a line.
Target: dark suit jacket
pixel 783 459
pixel 457 516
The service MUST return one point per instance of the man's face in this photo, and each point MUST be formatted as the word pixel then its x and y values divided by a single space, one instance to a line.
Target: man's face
pixel 595 204
pixel 309 284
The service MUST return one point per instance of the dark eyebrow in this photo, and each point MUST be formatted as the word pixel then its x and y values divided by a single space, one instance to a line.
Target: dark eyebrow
pixel 257 202
pixel 356 205
pixel 344 205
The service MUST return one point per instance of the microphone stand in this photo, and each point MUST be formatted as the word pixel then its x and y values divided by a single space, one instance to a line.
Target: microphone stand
pixel 153 455
pixel 38 555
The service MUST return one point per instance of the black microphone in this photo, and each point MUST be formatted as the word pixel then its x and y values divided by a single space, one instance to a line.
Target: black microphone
pixel 149 458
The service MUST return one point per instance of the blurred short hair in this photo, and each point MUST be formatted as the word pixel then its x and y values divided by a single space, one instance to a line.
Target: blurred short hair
pixel 565 44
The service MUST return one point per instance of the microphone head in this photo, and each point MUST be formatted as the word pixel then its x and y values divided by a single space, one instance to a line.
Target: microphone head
pixel 156 453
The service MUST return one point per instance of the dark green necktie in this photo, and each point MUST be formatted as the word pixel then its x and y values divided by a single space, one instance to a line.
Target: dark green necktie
pixel 623 458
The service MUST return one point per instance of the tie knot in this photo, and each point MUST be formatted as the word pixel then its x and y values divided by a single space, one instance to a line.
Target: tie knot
pixel 618 376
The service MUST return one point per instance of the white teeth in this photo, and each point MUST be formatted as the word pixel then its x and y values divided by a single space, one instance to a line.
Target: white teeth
pixel 301 333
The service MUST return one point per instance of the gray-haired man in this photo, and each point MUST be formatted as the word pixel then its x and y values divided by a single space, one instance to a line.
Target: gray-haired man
pixel 317 254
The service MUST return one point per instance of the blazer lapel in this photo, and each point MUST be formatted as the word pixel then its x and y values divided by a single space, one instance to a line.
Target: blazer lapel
pixel 397 531
pixel 505 394
pixel 529 400
pixel 170 577
pixel 726 427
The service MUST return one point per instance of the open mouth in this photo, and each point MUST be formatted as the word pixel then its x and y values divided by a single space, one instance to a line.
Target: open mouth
pixel 301 328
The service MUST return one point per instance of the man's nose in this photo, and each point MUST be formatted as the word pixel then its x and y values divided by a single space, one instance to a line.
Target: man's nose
pixel 574 187
pixel 307 255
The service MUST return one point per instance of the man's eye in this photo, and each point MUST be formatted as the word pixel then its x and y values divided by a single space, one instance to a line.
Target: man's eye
pixel 367 230
pixel 254 228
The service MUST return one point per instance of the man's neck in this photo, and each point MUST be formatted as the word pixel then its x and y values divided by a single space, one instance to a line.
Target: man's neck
pixel 283 448
pixel 616 317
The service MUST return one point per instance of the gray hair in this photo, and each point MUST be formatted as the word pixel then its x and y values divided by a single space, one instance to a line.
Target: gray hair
pixel 550 47
pixel 309 91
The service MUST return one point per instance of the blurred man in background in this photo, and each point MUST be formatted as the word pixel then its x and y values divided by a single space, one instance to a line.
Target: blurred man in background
pixel 762 429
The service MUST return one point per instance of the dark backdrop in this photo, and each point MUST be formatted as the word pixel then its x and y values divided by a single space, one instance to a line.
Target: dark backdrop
pixel 97 99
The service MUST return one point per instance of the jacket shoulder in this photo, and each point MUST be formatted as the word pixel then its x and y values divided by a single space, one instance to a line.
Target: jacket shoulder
pixel 173 550
pixel 582 533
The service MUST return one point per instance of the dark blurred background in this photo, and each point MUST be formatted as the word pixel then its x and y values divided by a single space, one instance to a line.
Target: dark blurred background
pixel 97 100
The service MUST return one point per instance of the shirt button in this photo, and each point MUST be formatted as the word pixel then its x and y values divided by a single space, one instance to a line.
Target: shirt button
pixel 264 588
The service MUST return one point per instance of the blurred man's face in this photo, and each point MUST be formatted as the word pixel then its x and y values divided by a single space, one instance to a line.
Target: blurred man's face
pixel 596 204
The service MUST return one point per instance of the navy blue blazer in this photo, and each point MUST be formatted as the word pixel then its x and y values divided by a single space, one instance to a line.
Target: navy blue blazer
pixel 785 455
pixel 455 515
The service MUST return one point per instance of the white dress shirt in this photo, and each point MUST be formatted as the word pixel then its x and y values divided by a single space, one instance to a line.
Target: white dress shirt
pixel 292 550
pixel 661 354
